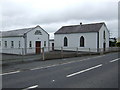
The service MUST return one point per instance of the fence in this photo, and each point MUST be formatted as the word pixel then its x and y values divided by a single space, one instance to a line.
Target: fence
pixel 21 55
pixel 63 52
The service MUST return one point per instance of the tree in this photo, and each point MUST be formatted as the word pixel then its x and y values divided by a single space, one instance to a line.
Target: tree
pixel 113 43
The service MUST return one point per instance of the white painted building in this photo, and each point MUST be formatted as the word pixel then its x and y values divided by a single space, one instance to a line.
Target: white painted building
pixel 24 41
pixel 83 37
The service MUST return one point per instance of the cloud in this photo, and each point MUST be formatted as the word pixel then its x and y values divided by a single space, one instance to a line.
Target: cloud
pixel 52 14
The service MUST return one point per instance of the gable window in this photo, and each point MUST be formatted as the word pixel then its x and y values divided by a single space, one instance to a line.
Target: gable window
pixel 19 44
pixel 38 32
pixel 44 43
pixel 12 44
pixel 5 43
pixel 82 41
pixel 65 41
pixel 30 44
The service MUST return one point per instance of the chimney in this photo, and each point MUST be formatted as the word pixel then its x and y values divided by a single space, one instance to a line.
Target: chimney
pixel 80 23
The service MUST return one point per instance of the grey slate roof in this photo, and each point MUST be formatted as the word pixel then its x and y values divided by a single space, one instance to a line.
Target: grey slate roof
pixel 18 32
pixel 84 28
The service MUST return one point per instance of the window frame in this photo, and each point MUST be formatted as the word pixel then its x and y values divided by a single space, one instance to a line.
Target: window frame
pixel 82 41
pixel 30 44
pixel 104 37
pixel 44 43
pixel 65 41
pixel 5 44
pixel 12 44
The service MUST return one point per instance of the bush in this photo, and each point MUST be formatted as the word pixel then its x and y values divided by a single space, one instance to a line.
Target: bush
pixel 118 44
pixel 112 44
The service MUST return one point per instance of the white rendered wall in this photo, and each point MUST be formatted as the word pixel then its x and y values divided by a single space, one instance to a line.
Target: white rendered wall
pixel 74 41
pixel 12 50
pixel 32 37
pixel 101 38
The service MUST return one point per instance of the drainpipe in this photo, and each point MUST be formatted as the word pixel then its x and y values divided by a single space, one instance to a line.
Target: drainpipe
pixel 25 43
pixel 97 41
pixel 48 43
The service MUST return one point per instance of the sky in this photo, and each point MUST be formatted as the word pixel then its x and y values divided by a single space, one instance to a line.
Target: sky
pixel 53 14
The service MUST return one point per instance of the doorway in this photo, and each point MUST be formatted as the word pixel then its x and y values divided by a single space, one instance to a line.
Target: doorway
pixel 104 46
pixel 38 47
pixel 52 46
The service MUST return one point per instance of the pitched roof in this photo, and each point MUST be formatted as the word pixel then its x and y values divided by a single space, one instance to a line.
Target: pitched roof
pixel 18 32
pixel 94 27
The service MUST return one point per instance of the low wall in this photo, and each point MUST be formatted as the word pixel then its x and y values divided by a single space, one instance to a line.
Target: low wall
pixel 10 58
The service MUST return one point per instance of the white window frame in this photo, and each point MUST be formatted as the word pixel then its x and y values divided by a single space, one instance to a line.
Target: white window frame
pixel 5 44
pixel 12 44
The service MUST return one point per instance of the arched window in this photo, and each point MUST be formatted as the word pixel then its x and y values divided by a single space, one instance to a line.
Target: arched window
pixel 81 41
pixel 104 34
pixel 65 41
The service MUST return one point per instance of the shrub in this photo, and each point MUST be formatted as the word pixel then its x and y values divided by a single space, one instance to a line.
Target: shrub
pixel 118 44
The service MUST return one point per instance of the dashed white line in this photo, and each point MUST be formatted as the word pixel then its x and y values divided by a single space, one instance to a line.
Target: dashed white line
pixel 70 75
pixel 45 67
pixel 31 87
pixel 53 80
pixel 36 68
pixel 115 60
pixel 10 73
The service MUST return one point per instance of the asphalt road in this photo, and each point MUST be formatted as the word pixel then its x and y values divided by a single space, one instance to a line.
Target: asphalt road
pixel 93 72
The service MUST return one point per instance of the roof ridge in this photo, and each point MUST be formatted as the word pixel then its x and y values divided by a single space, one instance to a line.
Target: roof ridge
pixel 93 23
pixel 84 24
pixel 18 29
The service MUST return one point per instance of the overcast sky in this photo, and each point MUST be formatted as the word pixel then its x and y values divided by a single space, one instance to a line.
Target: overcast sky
pixel 52 14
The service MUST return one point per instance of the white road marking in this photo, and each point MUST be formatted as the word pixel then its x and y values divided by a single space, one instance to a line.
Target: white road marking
pixel 115 60
pixel 31 87
pixel 45 67
pixel 70 75
pixel 63 59
pixel 53 80
pixel 52 65
pixel 10 73
pixel 36 68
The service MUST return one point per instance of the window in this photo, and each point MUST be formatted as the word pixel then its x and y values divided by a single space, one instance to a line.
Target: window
pixel 65 41
pixel 104 34
pixel 12 44
pixel 5 43
pixel 38 32
pixel 30 44
pixel 82 41
pixel 44 43
pixel 19 44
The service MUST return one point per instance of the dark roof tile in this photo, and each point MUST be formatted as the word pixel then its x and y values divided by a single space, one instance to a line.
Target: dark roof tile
pixel 95 27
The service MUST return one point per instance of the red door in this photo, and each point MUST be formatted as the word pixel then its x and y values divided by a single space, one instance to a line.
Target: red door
pixel 38 47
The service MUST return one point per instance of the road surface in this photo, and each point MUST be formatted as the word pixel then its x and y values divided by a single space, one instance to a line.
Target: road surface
pixel 91 72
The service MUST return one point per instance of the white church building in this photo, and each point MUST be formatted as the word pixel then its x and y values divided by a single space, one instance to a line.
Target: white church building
pixel 24 41
pixel 84 37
